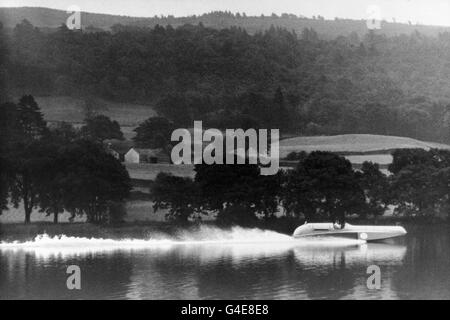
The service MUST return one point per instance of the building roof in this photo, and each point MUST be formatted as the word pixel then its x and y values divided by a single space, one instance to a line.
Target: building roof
pixel 119 146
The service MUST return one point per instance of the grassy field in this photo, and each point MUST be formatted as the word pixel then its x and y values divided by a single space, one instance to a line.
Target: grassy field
pixel 382 159
pixel 72 110
pixel 354 143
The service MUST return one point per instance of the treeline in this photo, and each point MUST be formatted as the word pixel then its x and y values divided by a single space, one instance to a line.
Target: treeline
pixel 326 28
pixel 275 79
pixel 323 187
pixel 57 169
pixel 47 19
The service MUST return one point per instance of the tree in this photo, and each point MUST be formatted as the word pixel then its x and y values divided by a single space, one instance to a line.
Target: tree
pixel 442 182
pixel 402 158
pixel 413 121
pixel 100 128
pixel 31 119
pixel 51 195
pixel 4 185
pixel 27 41
pixel 299 156
pixel 95 180
pixel 280 113
pixel 63 133
pixel 237 193
pixel 10 128
pixel 154 133
pixel 54 185
pixel 3 64
pixel 177 194
pixel 29 170
pixel 378 119
pixel 176 107
pixel 414 190
pixel 28 162
pixel 376 188
pixel 419 181
pixel 22 122
pixel 323 187
pixel 309 34
pixel 22 130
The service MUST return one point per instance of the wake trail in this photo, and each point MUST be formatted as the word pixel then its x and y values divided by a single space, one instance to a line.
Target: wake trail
pixel 202 236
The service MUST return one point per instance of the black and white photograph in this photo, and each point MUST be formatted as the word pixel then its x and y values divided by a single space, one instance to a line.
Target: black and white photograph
pixel 245 152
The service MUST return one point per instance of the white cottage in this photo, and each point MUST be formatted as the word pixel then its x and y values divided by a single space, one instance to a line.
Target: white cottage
pixel 137 155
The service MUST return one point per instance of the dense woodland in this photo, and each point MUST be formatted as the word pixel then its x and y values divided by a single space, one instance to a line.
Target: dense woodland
pixel 276 78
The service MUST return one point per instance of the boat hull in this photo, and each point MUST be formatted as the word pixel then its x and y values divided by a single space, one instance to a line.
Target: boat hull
pixel 367 233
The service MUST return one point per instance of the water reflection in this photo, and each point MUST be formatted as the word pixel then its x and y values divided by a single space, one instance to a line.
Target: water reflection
pixel 425 273
pixel 276 267
pixel 373 253
pixel 25 275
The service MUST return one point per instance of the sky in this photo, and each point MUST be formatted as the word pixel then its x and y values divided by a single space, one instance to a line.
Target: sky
pixel 429 12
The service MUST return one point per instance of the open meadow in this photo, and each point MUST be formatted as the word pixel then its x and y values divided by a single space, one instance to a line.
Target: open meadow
pixel 73 110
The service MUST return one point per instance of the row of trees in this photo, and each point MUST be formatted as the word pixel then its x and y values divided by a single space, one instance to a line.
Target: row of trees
pixel 279 79
pixel 421 181
pixel 3 180
pixel 323 186
pixel 59 169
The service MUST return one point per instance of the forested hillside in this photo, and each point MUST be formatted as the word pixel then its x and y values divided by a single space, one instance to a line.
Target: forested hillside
pixel 227 78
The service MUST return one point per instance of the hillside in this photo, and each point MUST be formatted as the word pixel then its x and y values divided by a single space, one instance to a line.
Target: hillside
pixel 51 18
pixel 328 29
pixel 393 86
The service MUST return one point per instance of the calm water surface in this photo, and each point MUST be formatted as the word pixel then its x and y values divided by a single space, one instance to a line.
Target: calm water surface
pixel 235 264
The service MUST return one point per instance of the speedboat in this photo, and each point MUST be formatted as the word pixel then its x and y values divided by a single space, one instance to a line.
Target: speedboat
pixel 368 233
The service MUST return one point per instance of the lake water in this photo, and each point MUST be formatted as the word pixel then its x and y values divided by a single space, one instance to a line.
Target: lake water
pixel 229 264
